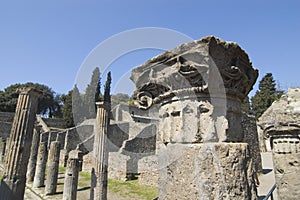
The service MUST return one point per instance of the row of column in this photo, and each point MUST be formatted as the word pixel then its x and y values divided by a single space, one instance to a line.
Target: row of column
pixel 28 147
pixel 41 157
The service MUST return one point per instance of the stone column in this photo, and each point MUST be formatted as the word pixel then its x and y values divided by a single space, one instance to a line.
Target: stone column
pixel 33 153
pixel 100 151
pixel 199 87
pixel 285 143
pixel 52 171
pixel 71 179
pixel 77 154
pixel 39 175
pixel 14 178
pixel 2 150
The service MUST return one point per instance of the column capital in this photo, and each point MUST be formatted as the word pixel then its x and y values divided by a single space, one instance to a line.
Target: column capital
pixel 30 91
pixel 102 104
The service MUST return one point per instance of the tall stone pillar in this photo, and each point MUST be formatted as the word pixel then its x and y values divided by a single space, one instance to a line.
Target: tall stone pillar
pixel 100 149
pixel 33 153
pixel 14 179
pixel 71 179
pixel 39 175
pixel 100 152
pixel 52 171
pixel 199 87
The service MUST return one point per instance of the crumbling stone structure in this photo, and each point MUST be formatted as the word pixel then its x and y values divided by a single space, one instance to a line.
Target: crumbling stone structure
pixel 99 178
pixel 281 125
pixel 33 154
pixel 52 172
pixel 199 87
pixel 40 169
pixel 14 178
pixel 71 179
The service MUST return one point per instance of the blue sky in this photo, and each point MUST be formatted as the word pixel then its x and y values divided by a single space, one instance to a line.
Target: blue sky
pixel 47 41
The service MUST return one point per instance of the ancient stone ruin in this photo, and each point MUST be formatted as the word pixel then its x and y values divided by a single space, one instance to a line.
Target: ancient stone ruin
pixel 187 137
pixel 14 178
pixel 280 124
pixel 199 87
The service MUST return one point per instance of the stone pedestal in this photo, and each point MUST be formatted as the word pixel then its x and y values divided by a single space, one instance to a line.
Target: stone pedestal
pixel 71 179
pixel 39 176
pixel 205 171
pixel 33 154
pixel 52 171
pixel 14 178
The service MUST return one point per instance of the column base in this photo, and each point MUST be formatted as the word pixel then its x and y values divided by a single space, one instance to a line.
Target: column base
pixel 205 171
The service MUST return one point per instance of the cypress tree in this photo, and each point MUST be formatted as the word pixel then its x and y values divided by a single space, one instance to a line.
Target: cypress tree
pixel 265 96
pixel 92 95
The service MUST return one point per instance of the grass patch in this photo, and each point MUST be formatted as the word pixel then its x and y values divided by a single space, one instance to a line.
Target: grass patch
pixel 84 179
pixel 132 190
pixel 61 169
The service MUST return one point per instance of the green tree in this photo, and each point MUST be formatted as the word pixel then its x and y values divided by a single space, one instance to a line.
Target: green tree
pixel 77 106
pixel 49 103
pixel 92 94
pixel 119 98
pixel 67 109
pixel 265 96
pixel 107 97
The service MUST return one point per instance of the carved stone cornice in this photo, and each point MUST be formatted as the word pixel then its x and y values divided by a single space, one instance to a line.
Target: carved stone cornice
pixel 203 67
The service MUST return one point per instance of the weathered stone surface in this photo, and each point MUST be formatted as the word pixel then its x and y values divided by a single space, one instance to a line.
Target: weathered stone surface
pixel 79 155
pixel 71 179
pixel 6 120
pixel 148 171
pixel 287 170
pixel 117 166
pixel 14 178
pixel 2 150
pixel 205 171
pixel 33 154
pixel 101 152
pixel 209 78
pixel 281 124
pixel 40 170
pixel 284 111
pixel 251 137
pixel 52 170
pixel 199 87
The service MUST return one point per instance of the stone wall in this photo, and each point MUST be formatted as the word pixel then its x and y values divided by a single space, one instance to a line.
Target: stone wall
pixel 6 119
pixel 55 122
pixel 148 171
pixel 251 137
pixel 76 135
pixel 209 171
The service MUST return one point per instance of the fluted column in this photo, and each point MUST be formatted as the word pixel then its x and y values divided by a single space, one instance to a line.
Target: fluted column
pixel 71 179
pixel 52 172
pixel 33 153
pixel 39 175
pixel 14 179
pixel 101 152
